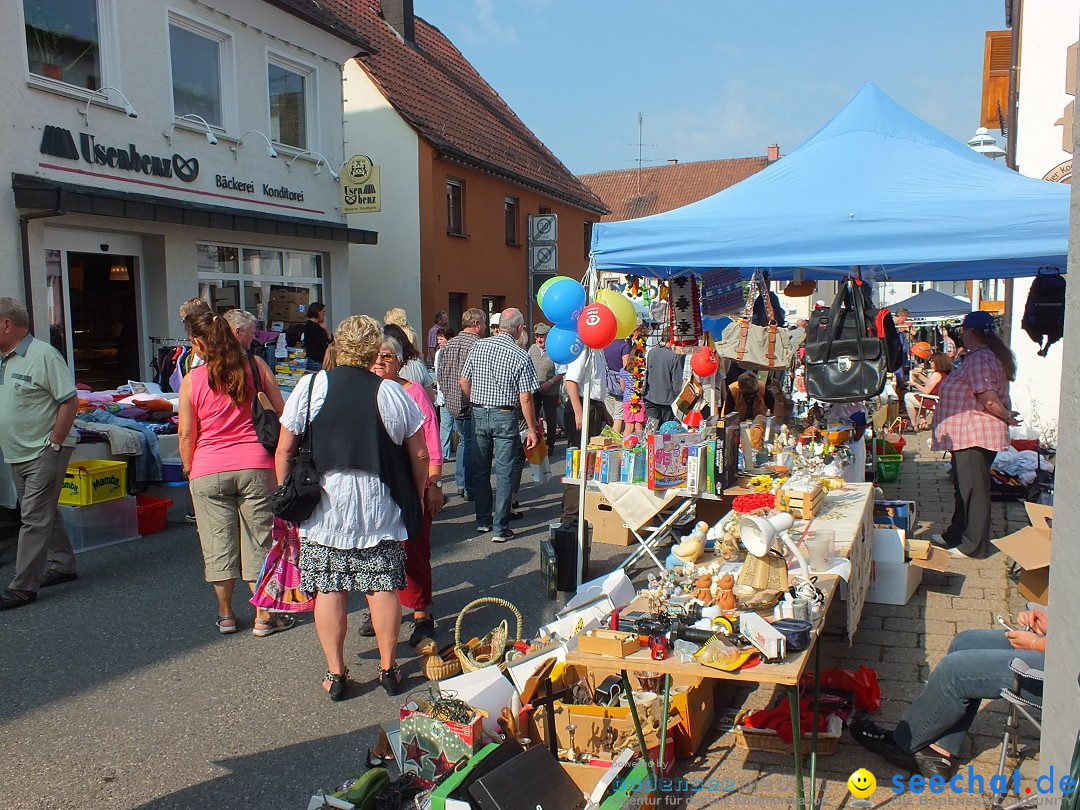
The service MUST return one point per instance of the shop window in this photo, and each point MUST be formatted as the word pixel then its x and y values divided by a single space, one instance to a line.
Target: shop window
pixel 63 41
pixel 54 274
pixel 454 202
pixel 251 278
pixel 196 55
pixel 288 104
pixel 510 215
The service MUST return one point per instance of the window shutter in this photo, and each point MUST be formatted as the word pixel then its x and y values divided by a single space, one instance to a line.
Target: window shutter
pixel 995 89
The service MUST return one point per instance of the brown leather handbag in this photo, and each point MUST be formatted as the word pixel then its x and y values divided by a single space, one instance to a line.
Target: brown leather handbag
pixel 760 348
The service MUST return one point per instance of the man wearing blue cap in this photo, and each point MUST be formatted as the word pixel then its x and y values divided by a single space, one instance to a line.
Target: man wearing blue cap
pixel 971 421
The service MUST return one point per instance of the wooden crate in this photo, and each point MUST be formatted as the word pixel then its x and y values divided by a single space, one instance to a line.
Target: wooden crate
pixel 614 643
pixel 801 504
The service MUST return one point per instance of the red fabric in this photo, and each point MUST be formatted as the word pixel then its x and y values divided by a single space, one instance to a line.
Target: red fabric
pixel 960 421
pixel 863 684
pixel 779 719
pixel 416 595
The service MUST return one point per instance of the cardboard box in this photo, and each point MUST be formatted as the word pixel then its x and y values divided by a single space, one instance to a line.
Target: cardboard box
pixel 1030 549
pixel 608 464
pixel 632 466
pixel 893 576
pixel 667 458
pixel 697 467
pixel 608 526
pixel 634 788
pixel 895 515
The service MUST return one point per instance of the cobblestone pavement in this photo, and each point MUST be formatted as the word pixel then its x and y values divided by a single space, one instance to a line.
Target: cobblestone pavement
pixel 903 644
pixel 117 692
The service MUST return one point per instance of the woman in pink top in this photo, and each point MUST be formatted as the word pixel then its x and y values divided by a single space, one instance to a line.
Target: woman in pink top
pixel 232 475
pixel 417 591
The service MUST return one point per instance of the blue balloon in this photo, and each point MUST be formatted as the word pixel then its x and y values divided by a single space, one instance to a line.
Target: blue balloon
pixel 563 302
pixel 718 327
pixel 563 345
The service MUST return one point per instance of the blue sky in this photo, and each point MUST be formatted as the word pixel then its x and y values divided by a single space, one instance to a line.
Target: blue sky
pixel 717 79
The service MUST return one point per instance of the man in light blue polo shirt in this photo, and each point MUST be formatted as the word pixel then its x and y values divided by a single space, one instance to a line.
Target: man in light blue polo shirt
pixel 37 409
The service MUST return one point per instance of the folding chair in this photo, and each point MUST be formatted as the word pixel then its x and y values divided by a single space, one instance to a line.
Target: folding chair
pixel 1025 700
pixel 927 403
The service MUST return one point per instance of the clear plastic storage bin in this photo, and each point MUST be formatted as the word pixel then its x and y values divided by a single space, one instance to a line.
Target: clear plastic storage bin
pixel 101 524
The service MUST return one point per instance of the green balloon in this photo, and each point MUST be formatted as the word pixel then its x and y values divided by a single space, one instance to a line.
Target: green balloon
pixel 544 288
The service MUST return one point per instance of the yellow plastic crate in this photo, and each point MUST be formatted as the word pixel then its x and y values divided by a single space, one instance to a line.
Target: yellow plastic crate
pixel 93 481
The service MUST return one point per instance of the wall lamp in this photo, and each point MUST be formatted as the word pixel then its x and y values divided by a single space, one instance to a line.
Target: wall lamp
pixel 85 112
pixel 210 136
pixel 269 146
pixel 318 163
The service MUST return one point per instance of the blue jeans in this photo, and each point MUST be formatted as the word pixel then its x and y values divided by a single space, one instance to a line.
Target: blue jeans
pixel 495 438
pixel 446 431
pixel 462 467
pixel 975 669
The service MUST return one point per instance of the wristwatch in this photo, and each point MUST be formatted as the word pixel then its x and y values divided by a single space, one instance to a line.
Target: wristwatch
pixel 437 484
pixel 55 447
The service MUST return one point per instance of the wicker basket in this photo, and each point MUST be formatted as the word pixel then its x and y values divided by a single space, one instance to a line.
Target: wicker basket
pixel 436 664
pixel 491 649
pixel 757 739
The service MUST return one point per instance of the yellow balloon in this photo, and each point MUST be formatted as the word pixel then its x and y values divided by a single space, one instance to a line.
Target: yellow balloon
pixel 621 308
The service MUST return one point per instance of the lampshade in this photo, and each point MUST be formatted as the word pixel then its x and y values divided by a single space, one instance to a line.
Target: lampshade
pixel 758 534
pixel 119 271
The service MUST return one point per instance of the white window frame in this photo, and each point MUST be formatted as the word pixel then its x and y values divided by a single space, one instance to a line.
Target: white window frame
pixel 242 278
pixel 311 98
pixel 226 66
pixel 108 59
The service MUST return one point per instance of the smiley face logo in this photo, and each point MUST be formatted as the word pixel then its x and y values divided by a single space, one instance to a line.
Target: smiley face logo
pixel 862 784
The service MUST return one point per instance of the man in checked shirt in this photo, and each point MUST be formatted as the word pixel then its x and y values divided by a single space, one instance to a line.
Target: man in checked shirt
pixel 499 379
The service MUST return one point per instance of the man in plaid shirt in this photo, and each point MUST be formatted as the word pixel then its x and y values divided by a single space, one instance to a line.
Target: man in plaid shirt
pixel 451 362
pixel 498 380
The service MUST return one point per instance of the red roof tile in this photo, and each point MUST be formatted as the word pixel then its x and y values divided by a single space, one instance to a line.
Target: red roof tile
pixel 311 11
pixel 435 89
pixel 633 193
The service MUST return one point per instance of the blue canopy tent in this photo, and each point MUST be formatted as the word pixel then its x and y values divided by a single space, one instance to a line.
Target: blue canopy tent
pixel 933 304
pixel 876 186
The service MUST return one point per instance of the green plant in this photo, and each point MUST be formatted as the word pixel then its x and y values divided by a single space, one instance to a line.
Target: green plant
pixel 52 42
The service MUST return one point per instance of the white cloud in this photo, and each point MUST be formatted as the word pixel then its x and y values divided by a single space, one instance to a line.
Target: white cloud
pixel 486 27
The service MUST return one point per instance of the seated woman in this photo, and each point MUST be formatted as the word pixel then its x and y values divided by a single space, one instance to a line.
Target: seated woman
pixel 931 731
pixel 750 397
pixel 941 365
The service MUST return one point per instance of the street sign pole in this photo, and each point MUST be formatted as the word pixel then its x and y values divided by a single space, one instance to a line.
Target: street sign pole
pixel 543 254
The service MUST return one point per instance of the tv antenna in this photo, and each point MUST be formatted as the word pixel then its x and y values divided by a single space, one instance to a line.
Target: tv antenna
pixel 640 146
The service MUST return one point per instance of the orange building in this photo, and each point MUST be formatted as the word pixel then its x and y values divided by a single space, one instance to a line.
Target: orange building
pixel 460 175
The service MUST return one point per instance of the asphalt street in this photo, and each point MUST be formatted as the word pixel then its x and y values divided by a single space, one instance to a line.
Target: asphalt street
pixel 117 691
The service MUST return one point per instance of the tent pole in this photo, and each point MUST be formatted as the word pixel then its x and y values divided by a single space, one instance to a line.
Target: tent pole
pixel 586 408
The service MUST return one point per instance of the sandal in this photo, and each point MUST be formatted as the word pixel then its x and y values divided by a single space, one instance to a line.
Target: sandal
pixel 390 679
pixel 277 624
pixel 337 684
pixel 226 624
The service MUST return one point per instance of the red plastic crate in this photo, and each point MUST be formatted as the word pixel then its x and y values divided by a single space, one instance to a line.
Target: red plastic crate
pixel 151 513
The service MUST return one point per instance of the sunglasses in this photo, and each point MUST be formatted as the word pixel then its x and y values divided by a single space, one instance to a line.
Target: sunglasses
pixel 385 356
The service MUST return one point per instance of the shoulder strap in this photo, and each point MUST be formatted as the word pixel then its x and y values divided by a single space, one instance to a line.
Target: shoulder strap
pixel 256 376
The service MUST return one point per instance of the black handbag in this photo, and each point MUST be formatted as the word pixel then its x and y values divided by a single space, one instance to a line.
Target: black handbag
pixel 300 492
pixel 847 357
pixel 266 421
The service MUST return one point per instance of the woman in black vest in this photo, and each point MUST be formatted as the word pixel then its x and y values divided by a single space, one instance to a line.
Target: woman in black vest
pixel 374 472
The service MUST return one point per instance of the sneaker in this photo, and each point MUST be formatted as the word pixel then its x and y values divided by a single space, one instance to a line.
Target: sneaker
pixel 502 537
pixel 880 741
pixel 366 629
pixel 424 628
pixel 190 518
pixel 938 541
pixel 482 529
pixel 514 515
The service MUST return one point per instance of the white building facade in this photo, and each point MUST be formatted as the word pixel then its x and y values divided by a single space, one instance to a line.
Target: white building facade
pixel 1044 150
pixel 223 186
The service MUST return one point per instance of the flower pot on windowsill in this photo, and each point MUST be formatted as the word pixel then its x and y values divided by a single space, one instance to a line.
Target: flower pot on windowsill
pixel 49 71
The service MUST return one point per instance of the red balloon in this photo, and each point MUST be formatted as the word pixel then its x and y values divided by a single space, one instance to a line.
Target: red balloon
pixel 704 361
pixel 597 326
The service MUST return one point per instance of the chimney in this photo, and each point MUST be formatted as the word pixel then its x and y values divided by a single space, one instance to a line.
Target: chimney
pixel 399 16
pixel 672 161
pixel 773 153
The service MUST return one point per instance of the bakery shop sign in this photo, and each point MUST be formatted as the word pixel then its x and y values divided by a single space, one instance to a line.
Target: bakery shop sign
pixel 59 142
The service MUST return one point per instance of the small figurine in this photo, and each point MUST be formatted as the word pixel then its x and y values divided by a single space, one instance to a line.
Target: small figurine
pixel 703 592
pixel 727 600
